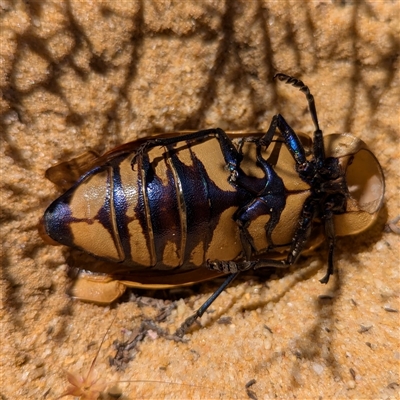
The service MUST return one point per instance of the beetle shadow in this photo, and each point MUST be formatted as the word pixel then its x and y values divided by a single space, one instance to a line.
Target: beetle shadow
pixel 249 278
pixel 311 343
pixel 315 343
pixel 364 241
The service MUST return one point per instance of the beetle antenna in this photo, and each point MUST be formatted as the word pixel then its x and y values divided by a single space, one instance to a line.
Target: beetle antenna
pixel 319 152
pixel 303 88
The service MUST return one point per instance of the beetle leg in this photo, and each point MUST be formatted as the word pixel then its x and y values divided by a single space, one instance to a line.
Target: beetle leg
pixel 231 155
pixel 189 321
pixel 245 238
pixel 292 141
pixel 330 234
pixel 230 267
pixel 271 200
pixel 301 236
pixel 271 204
pixel 319 152
pixel 303 88
pixel 299 239
pixel 289 136
pixel 334 204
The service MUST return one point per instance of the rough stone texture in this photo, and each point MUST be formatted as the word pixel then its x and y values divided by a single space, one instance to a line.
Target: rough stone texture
pixel 87 74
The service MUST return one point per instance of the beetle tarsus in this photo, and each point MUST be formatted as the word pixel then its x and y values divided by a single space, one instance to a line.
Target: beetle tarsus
pixel 186 325
pixel 330 269
pixel 190 320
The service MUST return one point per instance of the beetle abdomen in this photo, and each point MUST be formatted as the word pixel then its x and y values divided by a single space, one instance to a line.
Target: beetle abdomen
pixel 184 209
pixel 169 211
pixel 84 216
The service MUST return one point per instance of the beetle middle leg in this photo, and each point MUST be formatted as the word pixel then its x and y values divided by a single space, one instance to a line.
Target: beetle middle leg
pixel 270 200
pixel 300 238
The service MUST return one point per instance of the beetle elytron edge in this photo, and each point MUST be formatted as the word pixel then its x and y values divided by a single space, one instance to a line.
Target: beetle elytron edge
pixel 156 211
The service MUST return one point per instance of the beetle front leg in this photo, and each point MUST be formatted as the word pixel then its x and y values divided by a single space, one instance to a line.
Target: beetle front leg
pixel 289 136
pixel 334 204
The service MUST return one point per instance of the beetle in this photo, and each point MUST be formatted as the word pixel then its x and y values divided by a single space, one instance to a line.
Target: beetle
pixel 159 209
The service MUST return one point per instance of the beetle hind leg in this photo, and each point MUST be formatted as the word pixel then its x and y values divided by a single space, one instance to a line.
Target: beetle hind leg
pixel 190 320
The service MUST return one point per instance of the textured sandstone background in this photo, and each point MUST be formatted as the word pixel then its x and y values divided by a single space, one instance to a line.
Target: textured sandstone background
pixel 90 74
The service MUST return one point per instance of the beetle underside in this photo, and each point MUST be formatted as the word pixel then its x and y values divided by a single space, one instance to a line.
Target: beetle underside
pixel 172 204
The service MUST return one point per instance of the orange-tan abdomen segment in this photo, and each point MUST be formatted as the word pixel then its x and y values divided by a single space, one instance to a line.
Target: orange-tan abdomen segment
pixel 172 210
pixel 84 216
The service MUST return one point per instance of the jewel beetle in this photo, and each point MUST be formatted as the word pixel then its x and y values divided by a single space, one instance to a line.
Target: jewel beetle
pixel 178 209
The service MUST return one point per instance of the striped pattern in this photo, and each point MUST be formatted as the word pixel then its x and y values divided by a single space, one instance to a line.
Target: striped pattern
pixel 175 209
